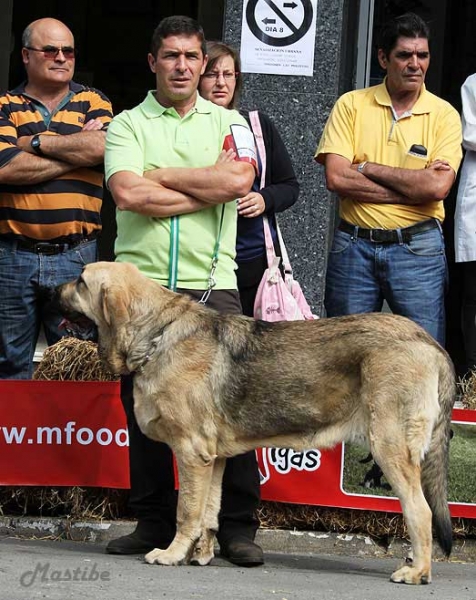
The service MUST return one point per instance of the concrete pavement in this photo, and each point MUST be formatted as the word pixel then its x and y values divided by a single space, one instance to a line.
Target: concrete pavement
pixel 65 570
pixel 299 566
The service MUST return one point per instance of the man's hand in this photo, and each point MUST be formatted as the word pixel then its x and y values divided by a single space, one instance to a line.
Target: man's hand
pixel 226 156
pixel 439 165
pixel 93 125
pixel 24 143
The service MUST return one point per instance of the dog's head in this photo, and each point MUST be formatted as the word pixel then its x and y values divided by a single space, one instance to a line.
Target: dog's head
pixel 113 296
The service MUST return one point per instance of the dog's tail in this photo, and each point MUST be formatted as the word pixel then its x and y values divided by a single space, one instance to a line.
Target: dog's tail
pixel 434 475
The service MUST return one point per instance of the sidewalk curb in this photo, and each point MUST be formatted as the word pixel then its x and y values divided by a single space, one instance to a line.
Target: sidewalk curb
pixel 274 541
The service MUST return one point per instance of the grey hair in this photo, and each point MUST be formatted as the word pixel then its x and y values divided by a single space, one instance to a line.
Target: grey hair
pixel 26 36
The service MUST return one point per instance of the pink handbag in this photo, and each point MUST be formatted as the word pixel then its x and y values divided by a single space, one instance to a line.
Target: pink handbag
pixel 277 298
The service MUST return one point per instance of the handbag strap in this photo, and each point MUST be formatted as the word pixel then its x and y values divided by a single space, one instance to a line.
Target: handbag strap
pixel 258 135
pixel 270 251
pixel 288 271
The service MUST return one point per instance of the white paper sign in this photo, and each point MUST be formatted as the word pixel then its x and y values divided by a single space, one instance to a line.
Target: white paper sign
pixel 278 37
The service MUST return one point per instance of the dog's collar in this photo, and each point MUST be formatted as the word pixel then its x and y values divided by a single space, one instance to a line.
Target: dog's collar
pixel 155 343
pixel 141 366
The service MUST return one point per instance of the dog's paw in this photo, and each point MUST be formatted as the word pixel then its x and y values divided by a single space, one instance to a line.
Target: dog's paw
pixel 203 552
pixel 410 575
pixel 164 557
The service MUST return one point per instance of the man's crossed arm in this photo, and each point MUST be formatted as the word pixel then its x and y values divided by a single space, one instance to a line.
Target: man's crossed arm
pixel 380 184
pixel 180 190
pixel 62 153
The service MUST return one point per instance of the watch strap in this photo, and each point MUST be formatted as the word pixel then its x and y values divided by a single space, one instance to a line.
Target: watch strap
pixel 36 144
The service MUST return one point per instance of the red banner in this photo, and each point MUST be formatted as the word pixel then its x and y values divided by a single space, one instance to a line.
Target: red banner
pixel 316 477
pixel 65 433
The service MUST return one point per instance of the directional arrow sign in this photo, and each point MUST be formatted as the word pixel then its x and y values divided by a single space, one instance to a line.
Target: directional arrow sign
pixel 278 36
pixel 282 31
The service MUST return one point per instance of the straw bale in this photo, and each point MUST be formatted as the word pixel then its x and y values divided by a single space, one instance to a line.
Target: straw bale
pixel 467 389
pixel 78 503
pixel 65 502
pixel 71 359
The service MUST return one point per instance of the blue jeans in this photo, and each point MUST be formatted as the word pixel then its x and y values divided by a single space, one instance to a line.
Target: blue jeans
pixel 412 277
pixel 26 282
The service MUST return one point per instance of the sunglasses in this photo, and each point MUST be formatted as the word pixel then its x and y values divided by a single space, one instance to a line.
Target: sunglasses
pixel 51 52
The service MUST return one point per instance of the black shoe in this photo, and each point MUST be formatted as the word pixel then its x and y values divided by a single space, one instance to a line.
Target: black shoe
pixel 242 551
pixel 134 544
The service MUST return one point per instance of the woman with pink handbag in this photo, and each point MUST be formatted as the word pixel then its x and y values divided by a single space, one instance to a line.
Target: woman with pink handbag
pixel 274 190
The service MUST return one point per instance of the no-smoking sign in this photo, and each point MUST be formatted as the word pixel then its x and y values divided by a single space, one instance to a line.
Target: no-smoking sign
pixel 278 36
pixel 279 23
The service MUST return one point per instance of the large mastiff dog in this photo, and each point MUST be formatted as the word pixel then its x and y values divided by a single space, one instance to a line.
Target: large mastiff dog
pixel 213 386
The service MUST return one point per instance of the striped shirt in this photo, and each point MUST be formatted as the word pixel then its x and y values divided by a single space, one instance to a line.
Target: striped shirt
pixel 67 206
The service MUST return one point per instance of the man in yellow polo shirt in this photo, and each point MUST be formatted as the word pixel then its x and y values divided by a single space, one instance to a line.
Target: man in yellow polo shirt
pixel 391 153
pixel 175 165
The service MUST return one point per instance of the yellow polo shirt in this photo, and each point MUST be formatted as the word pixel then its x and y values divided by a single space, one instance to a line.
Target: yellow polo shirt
pixel 362 126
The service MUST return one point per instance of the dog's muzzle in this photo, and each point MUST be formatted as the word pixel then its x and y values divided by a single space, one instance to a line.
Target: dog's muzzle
pixel 74 323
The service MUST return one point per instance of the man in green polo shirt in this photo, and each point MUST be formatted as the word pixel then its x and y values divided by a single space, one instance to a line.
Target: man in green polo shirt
pixel 175 165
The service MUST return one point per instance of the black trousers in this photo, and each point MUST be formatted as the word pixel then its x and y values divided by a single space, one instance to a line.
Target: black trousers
pixel 153 497
pixel 248 276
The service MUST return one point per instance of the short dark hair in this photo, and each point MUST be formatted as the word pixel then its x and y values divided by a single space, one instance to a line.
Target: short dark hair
pixel 408 25
pixel 176 25
pixel 215 51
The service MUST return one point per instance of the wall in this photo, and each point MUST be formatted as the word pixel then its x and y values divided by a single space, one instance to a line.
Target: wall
pixel 299 107
pixel 5 42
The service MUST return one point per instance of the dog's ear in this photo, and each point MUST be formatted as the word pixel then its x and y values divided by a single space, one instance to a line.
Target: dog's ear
pixel 115 302
pixel 114 330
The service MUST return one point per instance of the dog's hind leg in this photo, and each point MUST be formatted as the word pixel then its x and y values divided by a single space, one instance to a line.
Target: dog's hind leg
pixel 204 548
pixel 404 477
pixel 194 488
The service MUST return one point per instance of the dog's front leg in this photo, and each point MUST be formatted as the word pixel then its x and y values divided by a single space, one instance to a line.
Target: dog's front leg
pixel 192 498
pixel 204 548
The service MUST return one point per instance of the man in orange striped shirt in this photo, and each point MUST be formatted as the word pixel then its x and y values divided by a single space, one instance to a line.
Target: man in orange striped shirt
pixel 52 138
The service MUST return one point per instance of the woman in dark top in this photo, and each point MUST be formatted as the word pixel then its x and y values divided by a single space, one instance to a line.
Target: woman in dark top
pixel 221 83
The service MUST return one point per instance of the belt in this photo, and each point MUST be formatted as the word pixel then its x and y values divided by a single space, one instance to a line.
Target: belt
pixel 389 236
pixel 49 248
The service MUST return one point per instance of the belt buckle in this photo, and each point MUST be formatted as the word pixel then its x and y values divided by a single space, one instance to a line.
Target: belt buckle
pixel 47 248
pixel 371 235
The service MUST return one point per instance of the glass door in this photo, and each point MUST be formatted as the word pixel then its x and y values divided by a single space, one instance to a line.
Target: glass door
pixel 373 13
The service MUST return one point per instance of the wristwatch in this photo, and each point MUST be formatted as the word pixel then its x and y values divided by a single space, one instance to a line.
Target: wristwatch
pixel 360 166
pixel 36 144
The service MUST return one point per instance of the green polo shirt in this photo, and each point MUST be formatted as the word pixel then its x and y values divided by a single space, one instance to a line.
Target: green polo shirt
pixel 148 137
